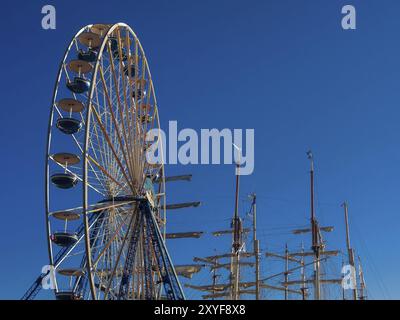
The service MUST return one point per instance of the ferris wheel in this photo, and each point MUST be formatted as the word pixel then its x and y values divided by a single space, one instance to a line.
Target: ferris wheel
pixel 105 204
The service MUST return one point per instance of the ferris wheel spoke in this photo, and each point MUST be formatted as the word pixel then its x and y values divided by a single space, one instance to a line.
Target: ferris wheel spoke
pixel 119 104
pixel 114 121
pixel 125 85
pixel 128 114
pixel 118 256
pixel 112 148
pixel 109 265
pixel 102 144
pixel 116 233
pixel 99 150
pixel 131 59
pixel 107 174
pixel 136 111
pixel 105 153
pixel 104 171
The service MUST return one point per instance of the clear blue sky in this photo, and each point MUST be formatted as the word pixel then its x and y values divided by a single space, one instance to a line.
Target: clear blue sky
pixel 285 68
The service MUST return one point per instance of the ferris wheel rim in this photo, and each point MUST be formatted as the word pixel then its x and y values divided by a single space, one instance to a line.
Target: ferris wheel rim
pixel 48 143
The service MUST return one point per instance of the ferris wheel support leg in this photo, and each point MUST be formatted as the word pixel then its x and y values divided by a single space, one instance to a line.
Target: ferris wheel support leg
pixel 130 259
pixel 34 289
pixel 172 287
pixel 148 272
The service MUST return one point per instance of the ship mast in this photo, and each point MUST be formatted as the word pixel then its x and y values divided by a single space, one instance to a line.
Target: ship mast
pixel 286 271
pixel 236 243
pixel 343 290
pixel 363 295
pixel 350 250
pixel 214 276
pixel 316 247
pixel 256 245
pixel 303 275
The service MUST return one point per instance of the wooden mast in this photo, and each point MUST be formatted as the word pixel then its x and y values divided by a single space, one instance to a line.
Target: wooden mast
pixel 236 243
pixel 256 244
pixel 303 275
pixel 363 295
pixel 286 271
pixel 214 276
pixel 343 290
pixel 350 250
pixel 314 233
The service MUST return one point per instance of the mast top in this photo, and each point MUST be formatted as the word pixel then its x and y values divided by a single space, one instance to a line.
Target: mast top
pixel 311 158
pixel 346 220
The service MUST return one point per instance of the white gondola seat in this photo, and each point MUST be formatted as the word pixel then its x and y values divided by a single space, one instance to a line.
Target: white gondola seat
pixel 69 125
pixel 64 180
pixel 78 85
